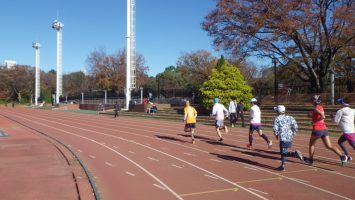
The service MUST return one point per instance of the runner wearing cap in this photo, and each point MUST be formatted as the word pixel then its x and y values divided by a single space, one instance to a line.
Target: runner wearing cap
pixel 255 124
pixel 345 119
pixel 319 130
pixel 219 111
pixel 285 128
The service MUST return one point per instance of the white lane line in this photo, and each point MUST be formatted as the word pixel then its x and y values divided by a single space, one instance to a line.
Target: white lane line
pixel 159 186
pixel 131 174
pixel 220 150
pixel 79 150
pixel 209 176
pixel 258 191
pixel 153 159
pixel 214 160
pixel 132 152
pixel 251 168
pixel 177 166
pixel 246 155
pixel 300 180
pixel 116 147
pixel 91 156
pixel 109 164
pixel 69 145
pixel 139 166
pixel 146 144
pixel 189 154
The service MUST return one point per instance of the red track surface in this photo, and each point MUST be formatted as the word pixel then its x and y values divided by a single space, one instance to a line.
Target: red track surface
pixel 136 159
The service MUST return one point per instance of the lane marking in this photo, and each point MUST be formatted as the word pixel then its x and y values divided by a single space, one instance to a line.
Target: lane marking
pixel 297 171
pixel 109 164
pixel 258 191
pixel 153 159
pixel 80 151
pixel 251 168
pixel 220 150
pixel 146 144
pixel 159 186
pixel 116 147
pixel 209 176
pixel 177 166
pixel 210 191
pixel 214 160
pixel 260 180
pixel 300 180
pixel 91 156
pixel 129 173
pixel 132 152
pixel 190 154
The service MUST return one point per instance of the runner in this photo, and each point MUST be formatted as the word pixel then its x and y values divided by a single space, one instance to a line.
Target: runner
pixel 285 128
pixel 219 111
pixel 240 112
pixel 319 130
pixel 232 112
pixel 190 120
pixel 255 124
pixel 345 119
pixel 117 109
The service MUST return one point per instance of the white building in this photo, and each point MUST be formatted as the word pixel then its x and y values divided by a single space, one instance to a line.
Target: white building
pixel 9 63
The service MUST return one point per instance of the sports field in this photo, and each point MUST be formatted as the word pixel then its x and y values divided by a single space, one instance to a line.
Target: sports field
pixel 136 159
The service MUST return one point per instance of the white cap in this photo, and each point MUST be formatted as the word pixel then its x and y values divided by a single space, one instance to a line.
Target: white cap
pixel 253 100
pixel 280 109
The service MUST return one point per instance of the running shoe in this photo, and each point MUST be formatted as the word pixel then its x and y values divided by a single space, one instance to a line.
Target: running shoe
pixel 308 161
pixel 299 155
pixel 249 146
pixel 232 125
pixel 220 140
pixel 281 168
pixel 350 158
pixel 344 160
pixel 269 145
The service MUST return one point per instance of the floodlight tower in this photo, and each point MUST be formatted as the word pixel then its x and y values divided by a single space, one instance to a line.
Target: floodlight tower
pixel 37 46
pixel 58 26
pixel 131 50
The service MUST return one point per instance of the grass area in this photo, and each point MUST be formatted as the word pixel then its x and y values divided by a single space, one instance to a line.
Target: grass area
pixel 92 112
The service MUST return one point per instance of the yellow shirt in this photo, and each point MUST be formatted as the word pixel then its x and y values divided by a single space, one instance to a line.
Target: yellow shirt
pixel 191 113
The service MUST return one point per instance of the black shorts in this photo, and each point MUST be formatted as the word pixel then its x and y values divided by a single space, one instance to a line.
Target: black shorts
pixel 320 133
pixel 192 125
pixel 253 127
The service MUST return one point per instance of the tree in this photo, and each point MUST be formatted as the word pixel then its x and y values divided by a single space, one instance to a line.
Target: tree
pixel 307 33
pixel 75 83
pixel 109 71
pixel 196 67
pixel 225 82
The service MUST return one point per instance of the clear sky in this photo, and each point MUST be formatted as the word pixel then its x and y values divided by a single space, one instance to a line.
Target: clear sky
pixel 164 29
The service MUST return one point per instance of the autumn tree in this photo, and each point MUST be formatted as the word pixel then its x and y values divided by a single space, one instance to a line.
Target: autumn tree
pixel 109 71
pixel 308 33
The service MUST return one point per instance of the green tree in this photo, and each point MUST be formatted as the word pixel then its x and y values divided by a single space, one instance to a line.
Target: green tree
pixel 225 82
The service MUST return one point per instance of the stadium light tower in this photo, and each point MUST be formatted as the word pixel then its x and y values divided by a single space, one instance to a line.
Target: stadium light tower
pixel 37 46
pixel 58 26
pixel 131 50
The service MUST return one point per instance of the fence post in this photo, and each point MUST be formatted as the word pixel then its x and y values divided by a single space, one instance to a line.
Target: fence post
pixel 82 98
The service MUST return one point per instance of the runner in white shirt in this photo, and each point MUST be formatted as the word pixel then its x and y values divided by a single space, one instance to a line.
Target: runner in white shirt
pixel 219 111
pixel 255 124
pixel 345 119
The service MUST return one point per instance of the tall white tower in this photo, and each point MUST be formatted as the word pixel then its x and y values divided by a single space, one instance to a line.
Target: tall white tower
pixel 37 46
pixel 131 50
pixel 58 26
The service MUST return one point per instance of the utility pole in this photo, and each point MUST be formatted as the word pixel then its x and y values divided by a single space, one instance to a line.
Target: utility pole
pixel 274 61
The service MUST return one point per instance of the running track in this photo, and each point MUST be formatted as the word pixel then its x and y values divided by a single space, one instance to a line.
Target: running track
pixel 136 159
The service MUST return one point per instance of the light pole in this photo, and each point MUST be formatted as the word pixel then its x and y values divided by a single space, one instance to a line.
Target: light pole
pixel 141 94
pixel 37 46
pixel 274 61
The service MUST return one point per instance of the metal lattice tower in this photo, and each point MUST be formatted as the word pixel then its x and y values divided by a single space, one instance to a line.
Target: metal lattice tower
pixel 131 50
pixel 37 46
pixel 58 26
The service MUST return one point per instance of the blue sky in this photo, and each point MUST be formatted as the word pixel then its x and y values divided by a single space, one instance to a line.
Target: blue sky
pixel 165 29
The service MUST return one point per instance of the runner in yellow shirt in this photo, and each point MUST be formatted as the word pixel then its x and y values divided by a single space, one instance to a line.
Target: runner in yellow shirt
pixel 190 120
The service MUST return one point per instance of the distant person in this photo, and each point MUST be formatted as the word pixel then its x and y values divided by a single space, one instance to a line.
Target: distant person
pixel 319 130
pixel 255 124
pixel 240 112
pixel 285 128
pixel 190 115
pixel 219 111
pixel 232 108
pixel 154 108
pixel 117 109
pixel 345 119
pixel 13 104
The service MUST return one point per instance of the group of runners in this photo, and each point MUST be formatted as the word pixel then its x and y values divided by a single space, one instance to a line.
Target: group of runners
pixel 285 128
